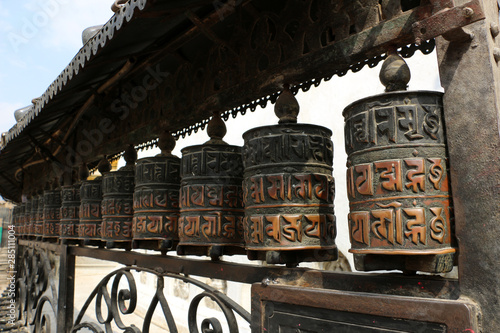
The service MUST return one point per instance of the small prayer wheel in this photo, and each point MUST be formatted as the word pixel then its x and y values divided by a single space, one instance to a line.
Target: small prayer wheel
pixel 16 213
pixel 33 216
pixel 211 218
pixel 397 178
pixel 22 220
pixel 69 216
pixel 117 203
pixel 90 207
pixel 27 218
pixel 90 211
pixel 39 217
pixel 52 214
pixel 156 199
pixel 289 189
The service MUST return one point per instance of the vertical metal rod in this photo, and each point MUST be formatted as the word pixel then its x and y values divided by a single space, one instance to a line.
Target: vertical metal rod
pixel 65 303
pixel 471 78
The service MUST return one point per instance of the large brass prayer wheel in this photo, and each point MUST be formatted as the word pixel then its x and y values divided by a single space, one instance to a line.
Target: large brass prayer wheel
pixel 156 203
pixel 69 217
pixel 90 211
pixel 289 191
pixel 211 217
pixel 397 180
pixel 52 214
pixel 117 207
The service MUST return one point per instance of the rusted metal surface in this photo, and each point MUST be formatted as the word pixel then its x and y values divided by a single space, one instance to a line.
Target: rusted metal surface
pixel 156 203
pixel 448 22
pixel 290 309
pixel 70 207
pixel 289 190
pixel 52 214
pixel 90 211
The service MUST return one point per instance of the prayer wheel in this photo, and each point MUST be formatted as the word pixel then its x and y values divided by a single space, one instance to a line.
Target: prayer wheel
pixel 69 216
pixel 23 221
pixel 211 208
pixel 397 178
pixel 156 199
pixel 90 211
pixel 18 219
pixel 117 203
pixel 90 207
pixel 289 189
pixel 52 214
pixel 33 216
pixel 39 217
pixel 16 213
pixel 27 218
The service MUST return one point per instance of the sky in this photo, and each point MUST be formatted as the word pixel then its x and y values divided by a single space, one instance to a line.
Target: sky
pixel 39 38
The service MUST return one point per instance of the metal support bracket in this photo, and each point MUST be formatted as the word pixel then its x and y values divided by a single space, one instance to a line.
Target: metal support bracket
pixel 449 22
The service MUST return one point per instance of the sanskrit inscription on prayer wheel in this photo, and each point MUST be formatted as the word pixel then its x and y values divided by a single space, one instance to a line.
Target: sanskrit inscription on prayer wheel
pixel 69 216
pixel 118 202
pixel 90 210
pixel 156 199
pixel 51 213
pixel 397 178
pixel 289 189
pixel 90 206
pixel 211 218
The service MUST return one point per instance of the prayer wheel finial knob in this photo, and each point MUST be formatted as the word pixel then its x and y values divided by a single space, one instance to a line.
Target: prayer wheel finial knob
pixel 104 166
pixel 216 130
pixel 130 155
pixel 287 108
pixel 166 142
pixel 83 172
pixel 395 73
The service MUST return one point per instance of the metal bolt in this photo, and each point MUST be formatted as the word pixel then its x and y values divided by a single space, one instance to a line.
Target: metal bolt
pixel 468 12
pixel 494 29
pixel 496 54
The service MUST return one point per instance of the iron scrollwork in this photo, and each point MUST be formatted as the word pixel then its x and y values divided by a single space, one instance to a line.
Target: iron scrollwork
pixel 36 307
pixel 112 306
